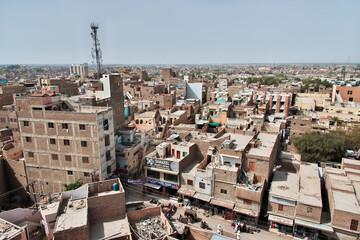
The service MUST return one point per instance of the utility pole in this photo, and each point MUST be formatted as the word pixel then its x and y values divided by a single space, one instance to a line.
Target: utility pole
pixel 96 51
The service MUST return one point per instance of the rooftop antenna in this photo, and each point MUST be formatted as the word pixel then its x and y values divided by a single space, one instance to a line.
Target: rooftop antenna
pixel 96 51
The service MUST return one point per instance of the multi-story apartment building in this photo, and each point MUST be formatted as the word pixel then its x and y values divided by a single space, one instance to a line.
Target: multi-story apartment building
pixel 79 69
pixel 64 141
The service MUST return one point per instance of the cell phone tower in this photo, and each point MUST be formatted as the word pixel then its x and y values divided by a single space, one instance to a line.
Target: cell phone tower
pixel 96 51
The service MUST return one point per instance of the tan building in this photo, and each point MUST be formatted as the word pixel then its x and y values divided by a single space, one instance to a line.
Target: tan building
pixel 164 165
pixel 93 211
pixel 342 187
pixel 64 141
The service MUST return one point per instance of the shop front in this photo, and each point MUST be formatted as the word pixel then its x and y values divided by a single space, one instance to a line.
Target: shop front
pixel 223 208
pixel 202 200
pixel 164 188
pixel 281 224
pixel 306 229
pixel 246 215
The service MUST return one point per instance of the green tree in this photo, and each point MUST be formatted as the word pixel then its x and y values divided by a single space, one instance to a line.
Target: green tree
pixel 351 137
pixel 73 186
pixel 320 147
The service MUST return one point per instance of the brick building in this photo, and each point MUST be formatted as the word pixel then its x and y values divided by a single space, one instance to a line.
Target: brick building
pixel 64 141
pixel 346 94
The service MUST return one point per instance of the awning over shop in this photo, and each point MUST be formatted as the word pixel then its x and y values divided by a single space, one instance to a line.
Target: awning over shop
pixel 224 204
pixel 281 220
pixel 186 192
pixel 152 185
pixel 214 124
pixel 202 197
pixel 245 211
pixel 318 226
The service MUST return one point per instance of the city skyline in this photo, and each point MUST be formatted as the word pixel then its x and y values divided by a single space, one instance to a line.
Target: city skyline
pixel 202 32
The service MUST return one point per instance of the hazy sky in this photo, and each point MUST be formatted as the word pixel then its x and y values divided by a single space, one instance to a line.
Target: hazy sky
pixel 180 31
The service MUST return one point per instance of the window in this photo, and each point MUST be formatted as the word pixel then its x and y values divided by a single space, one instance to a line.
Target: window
pixel 28 139
pixel 70 173
pixel 51 125
pixel 107 140
pixel 106 125
pixel 66 142
pixel 202 185
pixel 354 224
pixel 26 123
pixel 108 155
pixel 280 207
pixel 247 202
pixel 351 99
pixel 85 159
pixel 82 127
pixel 153 174
pixel 52 141
pixel 223 191
pixel 309 209
pixel 30 154
pixel 68 158
pixel 237 165
pixel 184 154
pixel 65 126
pixel 349 92
pixel 54 156
pixel 251 166
pixel 108 170
pixel 190 182
pixel 83 143
pixel 170 177
pixel 86 174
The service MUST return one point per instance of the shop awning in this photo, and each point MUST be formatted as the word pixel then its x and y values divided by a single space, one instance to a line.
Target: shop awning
pixel 202 197
pixel 152 185
pixel 224 204
pixel 281 220
pixel 186 192
pixel 245 211
pixel 318 226
pixel 215 124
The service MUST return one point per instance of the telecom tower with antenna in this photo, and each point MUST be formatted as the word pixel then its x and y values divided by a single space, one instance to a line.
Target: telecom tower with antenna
pixel 96 51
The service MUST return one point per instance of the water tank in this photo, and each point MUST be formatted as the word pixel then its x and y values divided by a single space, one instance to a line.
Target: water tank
pixel 116 186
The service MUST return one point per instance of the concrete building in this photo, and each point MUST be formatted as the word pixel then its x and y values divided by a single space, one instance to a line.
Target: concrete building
pixel 79 69
pixel 164 165
pixel 64 141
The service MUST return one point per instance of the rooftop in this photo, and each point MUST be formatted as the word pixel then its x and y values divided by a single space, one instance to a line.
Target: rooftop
pixel 75 214
pixel 8 230
pixel 309 176
pixel 266 147
pixel 114 227
pixel 285 185
pixel 346 202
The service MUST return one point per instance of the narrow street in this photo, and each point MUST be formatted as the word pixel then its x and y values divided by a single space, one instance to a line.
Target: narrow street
pixel 134 193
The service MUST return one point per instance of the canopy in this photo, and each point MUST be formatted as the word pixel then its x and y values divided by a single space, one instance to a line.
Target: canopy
pixel 215 124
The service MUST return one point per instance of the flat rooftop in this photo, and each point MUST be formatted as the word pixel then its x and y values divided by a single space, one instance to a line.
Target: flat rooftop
pixel 266 147
pixel 346 202
pixel 75 215
pixel 309 176
pixel 240 141
pixel 285 185
pixel 115 227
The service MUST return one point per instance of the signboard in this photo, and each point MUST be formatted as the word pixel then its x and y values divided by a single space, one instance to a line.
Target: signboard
pixel 135 181
pixel 165 184
pixel 162 164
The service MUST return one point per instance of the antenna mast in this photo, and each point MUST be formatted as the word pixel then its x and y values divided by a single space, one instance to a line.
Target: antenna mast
pixel 96 51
